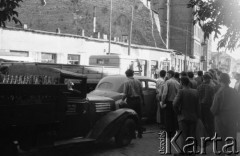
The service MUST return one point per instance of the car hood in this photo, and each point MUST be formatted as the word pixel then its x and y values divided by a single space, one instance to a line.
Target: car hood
pixel 98 98
pixel 105 93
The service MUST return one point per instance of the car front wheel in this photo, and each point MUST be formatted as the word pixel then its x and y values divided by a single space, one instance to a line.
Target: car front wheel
pixel 126 133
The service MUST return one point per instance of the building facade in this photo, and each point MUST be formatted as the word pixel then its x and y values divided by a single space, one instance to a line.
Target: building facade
pixel 40 46
pixel 181 35
pixel 79 29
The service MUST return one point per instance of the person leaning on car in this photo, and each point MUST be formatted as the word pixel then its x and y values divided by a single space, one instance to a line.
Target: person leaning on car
pixel 132 91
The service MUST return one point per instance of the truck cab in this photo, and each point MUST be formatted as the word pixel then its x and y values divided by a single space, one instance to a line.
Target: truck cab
pixel 39 110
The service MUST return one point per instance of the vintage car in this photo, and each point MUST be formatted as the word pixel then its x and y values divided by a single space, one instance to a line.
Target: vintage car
pixel 38 110
pixel 112 86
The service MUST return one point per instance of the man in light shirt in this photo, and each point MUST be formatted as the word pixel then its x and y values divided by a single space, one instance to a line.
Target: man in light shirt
pixel 159 90
pixel 170 90
pixel 133 93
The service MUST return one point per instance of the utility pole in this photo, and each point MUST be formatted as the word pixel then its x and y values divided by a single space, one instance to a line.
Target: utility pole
pixel 94 19
pixel 110 28
pixel 130 33
pixel 186 50
pixel 218 59
pixel 167 23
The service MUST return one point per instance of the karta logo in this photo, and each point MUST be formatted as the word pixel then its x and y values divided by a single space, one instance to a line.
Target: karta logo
pixel 191 146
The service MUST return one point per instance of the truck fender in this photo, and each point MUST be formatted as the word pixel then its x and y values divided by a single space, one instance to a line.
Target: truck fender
pixel 108 126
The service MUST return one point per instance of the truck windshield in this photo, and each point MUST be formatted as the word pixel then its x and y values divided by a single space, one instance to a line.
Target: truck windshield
pixel 75 83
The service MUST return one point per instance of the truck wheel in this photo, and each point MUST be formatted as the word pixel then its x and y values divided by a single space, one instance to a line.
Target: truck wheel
pixel 8 149
pixel 126 133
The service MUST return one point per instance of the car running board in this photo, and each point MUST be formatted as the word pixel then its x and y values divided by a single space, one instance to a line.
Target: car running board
pixel 73 141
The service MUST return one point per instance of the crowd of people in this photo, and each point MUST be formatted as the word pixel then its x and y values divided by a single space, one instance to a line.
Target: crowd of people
pixel 184 100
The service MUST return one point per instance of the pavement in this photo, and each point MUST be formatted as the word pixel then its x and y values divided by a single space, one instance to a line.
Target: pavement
pixel 146 146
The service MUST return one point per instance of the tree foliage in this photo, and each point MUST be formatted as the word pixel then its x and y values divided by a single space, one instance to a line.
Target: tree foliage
pixel 8 11
pixel 211 15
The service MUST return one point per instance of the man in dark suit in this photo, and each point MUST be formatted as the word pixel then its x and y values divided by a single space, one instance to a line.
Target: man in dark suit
pixel 186 105
pixel 199 78
pixel 206 93
pixel 193 82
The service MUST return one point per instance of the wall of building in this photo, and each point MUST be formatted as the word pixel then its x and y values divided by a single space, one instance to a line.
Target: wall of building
pixel 14 43
pixel 161 8
pixel 180 19
pixel 71 16
pixel 183 36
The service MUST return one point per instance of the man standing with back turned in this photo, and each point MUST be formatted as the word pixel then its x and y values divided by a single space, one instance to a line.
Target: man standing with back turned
pixel 170 89
pixel 132 90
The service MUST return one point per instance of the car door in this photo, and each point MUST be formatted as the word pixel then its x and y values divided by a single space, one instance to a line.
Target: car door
pixel 150 95
pixel 149 92
pixel 144 110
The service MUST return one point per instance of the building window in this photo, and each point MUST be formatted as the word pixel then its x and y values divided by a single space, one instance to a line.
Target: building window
pixel 103 61
pixel 154 67
pixel 154 64
pixel 125 38
pixel 73 59
pixel 19 53
pixel 49 58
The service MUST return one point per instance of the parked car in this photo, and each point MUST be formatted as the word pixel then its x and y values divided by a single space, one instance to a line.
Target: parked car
pixel 112 86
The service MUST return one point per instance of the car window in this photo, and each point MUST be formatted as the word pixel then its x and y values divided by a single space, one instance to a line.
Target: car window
pixel 143 84
pixel 151 84
pixel 105 86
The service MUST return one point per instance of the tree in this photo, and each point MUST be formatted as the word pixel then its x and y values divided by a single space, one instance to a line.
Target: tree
pixel 8 11
pixel 211 15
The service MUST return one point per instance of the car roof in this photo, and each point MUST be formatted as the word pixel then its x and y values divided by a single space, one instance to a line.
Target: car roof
pixel 124 77
pixel 118 80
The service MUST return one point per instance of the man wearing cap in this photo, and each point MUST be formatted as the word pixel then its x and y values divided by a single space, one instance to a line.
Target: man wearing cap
pixel 206 93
